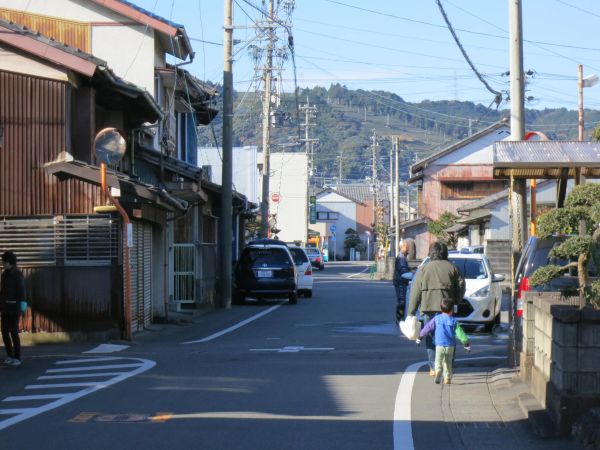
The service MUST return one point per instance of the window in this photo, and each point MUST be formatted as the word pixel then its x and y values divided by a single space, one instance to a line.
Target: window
pixel 327 215
pixel 474 189
pixel 257 257
pixel 471 269
pixel 299 255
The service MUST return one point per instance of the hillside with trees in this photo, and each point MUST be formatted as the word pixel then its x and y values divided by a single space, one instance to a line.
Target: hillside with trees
pixel 346 120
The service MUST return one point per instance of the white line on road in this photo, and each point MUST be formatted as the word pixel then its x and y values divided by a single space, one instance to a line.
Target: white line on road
pixel 21 414
pixel 358 273
pixel 92 368
pixel 402 431
pixel 107 348
pixel 234 327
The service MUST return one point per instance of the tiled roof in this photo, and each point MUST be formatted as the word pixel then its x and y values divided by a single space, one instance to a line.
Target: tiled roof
pixel 360 192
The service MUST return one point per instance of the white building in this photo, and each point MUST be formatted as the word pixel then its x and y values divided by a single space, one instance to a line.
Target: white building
pixel 288 195
pixel 245 174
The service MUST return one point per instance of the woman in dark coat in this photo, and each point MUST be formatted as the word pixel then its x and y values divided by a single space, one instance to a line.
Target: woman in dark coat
pixel 12 292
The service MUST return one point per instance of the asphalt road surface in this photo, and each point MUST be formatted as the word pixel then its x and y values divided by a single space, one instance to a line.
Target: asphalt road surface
pixel 323 374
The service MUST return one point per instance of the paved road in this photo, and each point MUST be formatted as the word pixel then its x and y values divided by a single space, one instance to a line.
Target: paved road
pixel 326 373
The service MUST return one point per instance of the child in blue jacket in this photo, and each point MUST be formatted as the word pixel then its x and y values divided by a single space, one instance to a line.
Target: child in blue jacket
pixel 446 331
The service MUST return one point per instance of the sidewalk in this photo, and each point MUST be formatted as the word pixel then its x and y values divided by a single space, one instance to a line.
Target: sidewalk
pixel 484 408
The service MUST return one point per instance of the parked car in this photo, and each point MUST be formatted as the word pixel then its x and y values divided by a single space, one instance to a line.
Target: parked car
pixel 535 254
pixel 472 249
pixel 266 269
pixel 316 258
pixel 304 269
pixel 483 296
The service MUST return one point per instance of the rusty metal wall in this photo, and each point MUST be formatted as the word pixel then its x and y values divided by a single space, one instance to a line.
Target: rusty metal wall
pixel 74 34
pixel 66 299
pixel 33 118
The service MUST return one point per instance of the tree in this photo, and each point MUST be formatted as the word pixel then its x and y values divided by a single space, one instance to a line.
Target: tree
pixel 352 240
pixel 438 228
pixel 582 206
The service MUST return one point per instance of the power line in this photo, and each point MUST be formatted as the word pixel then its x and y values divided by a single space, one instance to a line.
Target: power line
pixel 497 95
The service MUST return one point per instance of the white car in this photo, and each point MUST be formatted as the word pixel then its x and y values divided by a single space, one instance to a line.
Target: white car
pixel 483 295
pixel 304 269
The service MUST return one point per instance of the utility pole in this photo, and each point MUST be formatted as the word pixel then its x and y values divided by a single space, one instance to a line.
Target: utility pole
pixel 397 182
pixel 375 184
pixel 310 112
pixel 518 193
pixel 266 128
pixel 225 223
pixel 392 207
pixel 341 157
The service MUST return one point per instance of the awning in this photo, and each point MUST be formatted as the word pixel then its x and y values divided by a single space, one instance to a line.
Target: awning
pixel 456 228
pixel 546 159
pixel 476 216
pixel 91 174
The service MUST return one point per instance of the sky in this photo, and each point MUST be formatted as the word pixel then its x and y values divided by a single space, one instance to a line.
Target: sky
pixel 405 47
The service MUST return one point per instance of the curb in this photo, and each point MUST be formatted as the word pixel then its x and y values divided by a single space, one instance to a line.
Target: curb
pixel 539 419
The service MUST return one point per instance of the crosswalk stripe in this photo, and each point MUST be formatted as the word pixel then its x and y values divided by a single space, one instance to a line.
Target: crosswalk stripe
pixel 86 360
pixel 19 398
pixel 21 414
pixel 80 375
pixel 58 385
pixel 90 368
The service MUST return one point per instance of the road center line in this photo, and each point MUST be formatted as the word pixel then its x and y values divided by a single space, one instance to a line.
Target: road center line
pixel 402 431
pixel 234 327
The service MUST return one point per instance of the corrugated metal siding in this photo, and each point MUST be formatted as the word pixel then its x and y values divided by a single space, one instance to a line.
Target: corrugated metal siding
pixel 33 118
pixel 140 257
pixel 74 34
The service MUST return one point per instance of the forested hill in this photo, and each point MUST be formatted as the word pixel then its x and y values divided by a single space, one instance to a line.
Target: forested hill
pixel 346 120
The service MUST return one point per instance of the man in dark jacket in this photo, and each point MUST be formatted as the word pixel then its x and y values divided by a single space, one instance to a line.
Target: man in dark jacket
pixel 434 281
pixel 400 283
pixel 12 292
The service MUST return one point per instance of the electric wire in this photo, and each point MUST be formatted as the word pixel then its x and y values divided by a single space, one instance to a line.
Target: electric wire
pixel 497 95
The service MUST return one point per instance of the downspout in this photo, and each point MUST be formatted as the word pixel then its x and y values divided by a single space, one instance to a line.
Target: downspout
pixel 126 267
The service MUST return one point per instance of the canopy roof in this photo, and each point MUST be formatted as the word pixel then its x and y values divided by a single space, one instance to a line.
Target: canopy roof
pixel 546 159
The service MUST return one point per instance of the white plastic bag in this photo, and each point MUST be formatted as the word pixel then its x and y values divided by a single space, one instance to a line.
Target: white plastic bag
pixel 410 327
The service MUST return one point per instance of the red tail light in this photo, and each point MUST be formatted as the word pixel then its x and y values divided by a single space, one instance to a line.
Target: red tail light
pixel 523 287
pixel 308 270
pixel 317 260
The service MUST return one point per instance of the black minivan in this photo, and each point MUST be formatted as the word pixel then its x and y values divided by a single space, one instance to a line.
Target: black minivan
pixel 265 269
pixel 535 255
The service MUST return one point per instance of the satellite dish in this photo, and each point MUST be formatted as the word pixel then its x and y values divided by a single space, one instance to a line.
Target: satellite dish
pixel 109 146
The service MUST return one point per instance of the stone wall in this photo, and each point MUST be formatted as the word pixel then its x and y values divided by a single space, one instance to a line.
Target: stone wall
pixel 564 370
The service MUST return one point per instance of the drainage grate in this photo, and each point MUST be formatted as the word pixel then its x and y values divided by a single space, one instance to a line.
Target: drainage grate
pixel 481 425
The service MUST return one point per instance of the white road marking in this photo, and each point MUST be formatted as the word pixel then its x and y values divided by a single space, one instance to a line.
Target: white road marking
pixel 92 368
pixel 20 414
pixel 358 273
pixel 108 348
pixel 83 375
pixel 234 327
pixel 293 349
pixel 402 428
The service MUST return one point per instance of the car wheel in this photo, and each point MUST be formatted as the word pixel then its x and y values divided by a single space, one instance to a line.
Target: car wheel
pixel 308 293
pixel 293 298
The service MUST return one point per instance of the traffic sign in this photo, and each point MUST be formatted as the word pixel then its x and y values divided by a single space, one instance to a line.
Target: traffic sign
pixel 275 197
pixel 312 212
pixel 332 228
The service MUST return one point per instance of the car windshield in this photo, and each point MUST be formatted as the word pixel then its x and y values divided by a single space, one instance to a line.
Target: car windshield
pixel 299 255
pixel 312 251
pixel 471 269
pixel 261 256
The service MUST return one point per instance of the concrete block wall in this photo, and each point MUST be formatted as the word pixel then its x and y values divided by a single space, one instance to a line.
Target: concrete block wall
pixel 565 376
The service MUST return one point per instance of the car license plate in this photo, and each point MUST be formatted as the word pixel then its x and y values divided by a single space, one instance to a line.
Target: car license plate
pixel 264 273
